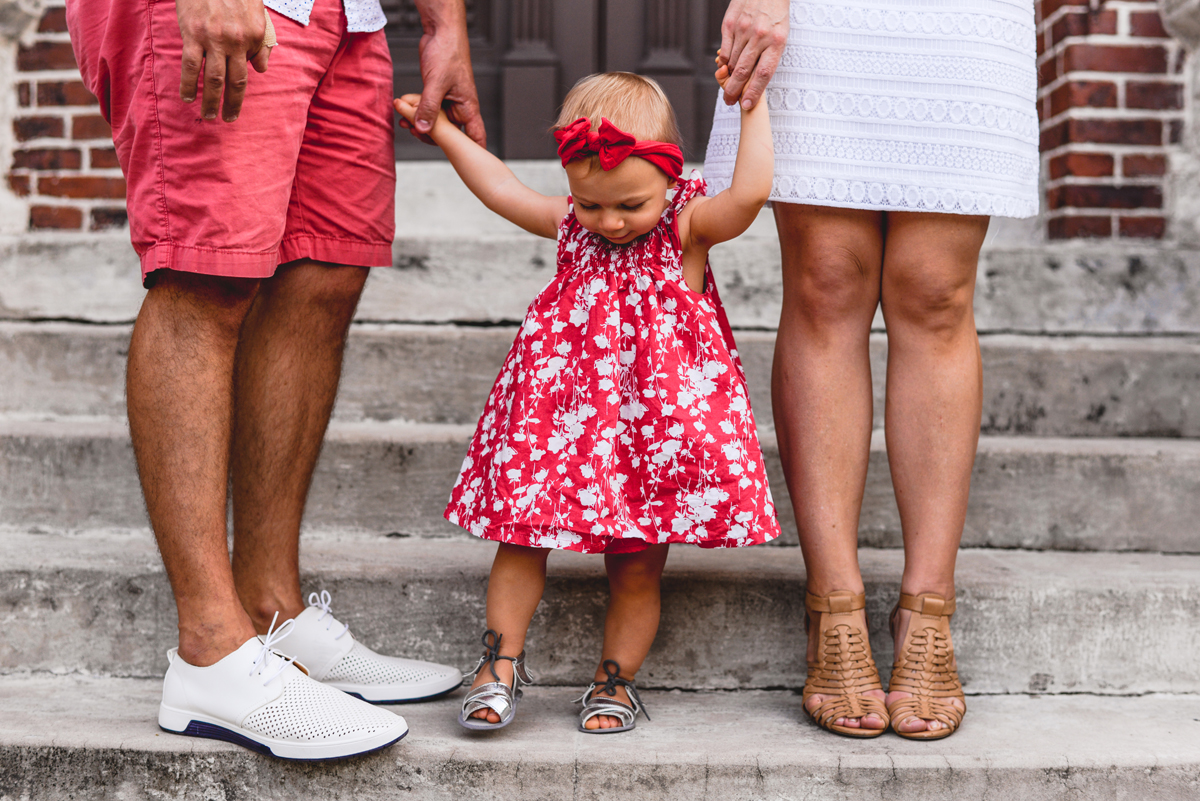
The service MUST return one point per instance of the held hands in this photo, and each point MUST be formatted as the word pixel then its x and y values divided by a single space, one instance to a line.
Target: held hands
pixel 224 35
pixel 753 35
pixel 409 106
pixel 448 83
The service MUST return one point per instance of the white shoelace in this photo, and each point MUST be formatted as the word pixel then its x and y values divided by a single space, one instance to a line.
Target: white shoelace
pixel 264 663
pixel 321 601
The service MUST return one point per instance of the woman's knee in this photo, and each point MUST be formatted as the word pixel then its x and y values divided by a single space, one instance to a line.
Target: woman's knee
pixel 831 287
pixel 928 298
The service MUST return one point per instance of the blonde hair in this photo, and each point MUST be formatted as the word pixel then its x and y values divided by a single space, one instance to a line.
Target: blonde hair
pixel 635 104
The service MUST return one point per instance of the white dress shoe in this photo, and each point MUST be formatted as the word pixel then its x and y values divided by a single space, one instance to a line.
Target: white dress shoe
pixel 327 649
pixel 259 699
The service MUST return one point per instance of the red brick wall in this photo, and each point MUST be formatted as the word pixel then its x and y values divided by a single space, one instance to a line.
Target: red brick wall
pixel 1111 107
pixel 63 159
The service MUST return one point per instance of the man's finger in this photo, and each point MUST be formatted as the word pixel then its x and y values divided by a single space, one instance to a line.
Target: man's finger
pixel 214 83
pixel 193 57
pixel 767 62
pixel 235 89
pixel 428 108
pixel 259 62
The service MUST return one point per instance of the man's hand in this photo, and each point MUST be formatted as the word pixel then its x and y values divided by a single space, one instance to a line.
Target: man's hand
pixel 753 34
pixel 224 35
pixel 447 80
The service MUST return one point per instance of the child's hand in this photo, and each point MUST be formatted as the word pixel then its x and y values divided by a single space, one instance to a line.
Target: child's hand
pixel 406 106
pixel 722 73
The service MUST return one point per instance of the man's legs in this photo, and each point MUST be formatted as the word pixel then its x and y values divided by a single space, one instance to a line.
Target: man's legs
pixel 180 398
pixel 184 402
pixel 286 376
pixel 288 365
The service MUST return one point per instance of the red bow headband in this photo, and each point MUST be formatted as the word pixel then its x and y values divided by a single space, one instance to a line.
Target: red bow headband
pixel 612 146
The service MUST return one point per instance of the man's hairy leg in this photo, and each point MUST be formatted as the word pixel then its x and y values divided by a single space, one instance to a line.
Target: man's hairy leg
pixel 180 397
pixel 289 362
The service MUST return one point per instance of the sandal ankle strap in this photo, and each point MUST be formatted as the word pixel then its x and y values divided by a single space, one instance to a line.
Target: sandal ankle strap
pixel 836 602
pixel 927 603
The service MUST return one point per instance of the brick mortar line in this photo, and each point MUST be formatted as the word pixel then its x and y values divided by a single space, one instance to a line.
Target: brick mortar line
pixel 1102 180
pixel 1102 112
pixel 1115 5
pixel 1107 40
pixel 1100 147
pixel 1110 77
pixel 25 76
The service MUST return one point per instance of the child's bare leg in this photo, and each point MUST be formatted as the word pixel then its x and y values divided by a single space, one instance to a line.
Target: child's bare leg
pixel 514 588
pixel 634 582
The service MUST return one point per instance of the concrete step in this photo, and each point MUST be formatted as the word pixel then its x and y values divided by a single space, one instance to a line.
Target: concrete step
pixel 97 738
pixel 1028 622
pixel 1033 385
pixel 1074 494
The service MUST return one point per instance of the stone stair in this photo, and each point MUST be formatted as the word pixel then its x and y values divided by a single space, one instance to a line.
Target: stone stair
pixel 1079 581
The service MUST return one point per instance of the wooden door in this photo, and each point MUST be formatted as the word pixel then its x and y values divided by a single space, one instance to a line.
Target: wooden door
pixel 527 53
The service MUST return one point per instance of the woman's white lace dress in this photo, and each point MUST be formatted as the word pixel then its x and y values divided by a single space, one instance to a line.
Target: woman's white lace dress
pixel 901 105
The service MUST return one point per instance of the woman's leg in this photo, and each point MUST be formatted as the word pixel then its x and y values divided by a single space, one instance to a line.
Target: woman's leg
pixel 634 601
pixel 821 388
pixel 934 393
pixel 515 587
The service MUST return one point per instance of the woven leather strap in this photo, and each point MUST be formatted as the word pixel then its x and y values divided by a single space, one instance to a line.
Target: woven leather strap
pixel 844 668
pixel 925 664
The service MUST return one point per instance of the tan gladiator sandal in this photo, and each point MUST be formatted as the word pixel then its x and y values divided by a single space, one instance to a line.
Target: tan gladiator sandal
pixel 926 668
pixel 843 669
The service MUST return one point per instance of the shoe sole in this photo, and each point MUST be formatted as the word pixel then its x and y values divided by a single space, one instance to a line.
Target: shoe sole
pixel 364 693
pixel 293 752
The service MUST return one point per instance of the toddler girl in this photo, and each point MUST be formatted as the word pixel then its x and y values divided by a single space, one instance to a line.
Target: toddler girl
pixel 620 421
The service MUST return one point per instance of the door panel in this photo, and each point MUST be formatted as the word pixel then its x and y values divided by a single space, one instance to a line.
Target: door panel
pixel 527 53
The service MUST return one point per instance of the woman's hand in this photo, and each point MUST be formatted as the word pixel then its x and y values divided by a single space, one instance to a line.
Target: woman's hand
pixel 753 34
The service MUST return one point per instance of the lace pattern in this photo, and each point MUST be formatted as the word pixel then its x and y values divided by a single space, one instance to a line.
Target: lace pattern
pixel 903 105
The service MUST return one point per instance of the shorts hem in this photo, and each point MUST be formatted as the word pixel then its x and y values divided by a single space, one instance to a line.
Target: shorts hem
pixel 349 252
pixel 208 261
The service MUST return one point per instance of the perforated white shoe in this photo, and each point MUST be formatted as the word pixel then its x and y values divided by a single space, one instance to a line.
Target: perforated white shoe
pixel 327 649
pixel 257 698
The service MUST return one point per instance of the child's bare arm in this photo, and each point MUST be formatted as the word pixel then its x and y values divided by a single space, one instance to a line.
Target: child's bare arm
pixel 729 213
pixel 489 178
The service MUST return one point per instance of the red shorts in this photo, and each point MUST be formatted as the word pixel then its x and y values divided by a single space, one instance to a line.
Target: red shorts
pixel 307 170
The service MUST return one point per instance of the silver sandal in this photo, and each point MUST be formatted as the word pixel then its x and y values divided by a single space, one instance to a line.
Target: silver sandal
pixel 593 705
pixel 494 695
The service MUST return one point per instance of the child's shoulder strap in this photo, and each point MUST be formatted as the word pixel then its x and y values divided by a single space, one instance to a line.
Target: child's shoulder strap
pixel 687 189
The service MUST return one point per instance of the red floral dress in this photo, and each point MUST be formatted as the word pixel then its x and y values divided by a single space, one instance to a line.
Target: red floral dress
pixel 620 418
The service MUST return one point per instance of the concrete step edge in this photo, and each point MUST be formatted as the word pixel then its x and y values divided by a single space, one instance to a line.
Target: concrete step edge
pixel 70 737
